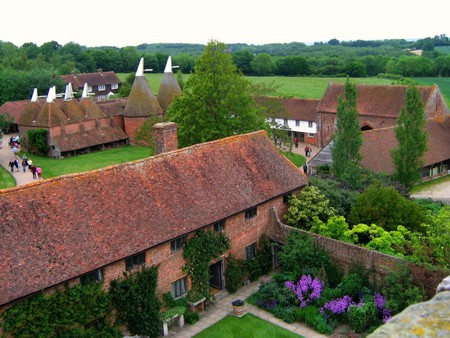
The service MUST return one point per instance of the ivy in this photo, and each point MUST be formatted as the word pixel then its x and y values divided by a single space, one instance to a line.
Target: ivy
pixel 59 314
pixel 199 252
pixel 137 304
pixel 37 138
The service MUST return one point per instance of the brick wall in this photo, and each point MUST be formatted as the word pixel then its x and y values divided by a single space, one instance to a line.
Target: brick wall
pixel 131 125
pixel 347 255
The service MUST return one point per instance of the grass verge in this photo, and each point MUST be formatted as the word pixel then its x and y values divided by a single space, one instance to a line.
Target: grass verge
pixel 297 159
pixel 428 184
pixel 6 179
pixel 248 326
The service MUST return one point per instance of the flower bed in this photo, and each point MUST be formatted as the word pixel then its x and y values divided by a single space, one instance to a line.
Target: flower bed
pixel 308 300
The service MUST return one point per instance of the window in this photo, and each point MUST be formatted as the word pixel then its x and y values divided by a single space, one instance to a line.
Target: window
pixel 219 226
pixel 93 277
pixel 285 122
pixel 178 243
pixel 89 89
pixel 250 213
pixel 114 85
pixel 250 251
pixel 297 123
pixel 311 134
pixel 310 124
pixel 101 87
pixel 286 198
pixel 178 288
pixel 134 261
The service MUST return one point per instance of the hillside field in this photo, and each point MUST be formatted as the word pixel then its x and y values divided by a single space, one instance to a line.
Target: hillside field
pixel 307 87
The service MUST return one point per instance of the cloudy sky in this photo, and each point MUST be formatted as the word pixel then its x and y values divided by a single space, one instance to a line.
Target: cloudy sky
pixel 133 22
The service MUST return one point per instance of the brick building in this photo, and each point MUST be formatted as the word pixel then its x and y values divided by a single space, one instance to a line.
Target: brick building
pixel 101 223
pixel 378 106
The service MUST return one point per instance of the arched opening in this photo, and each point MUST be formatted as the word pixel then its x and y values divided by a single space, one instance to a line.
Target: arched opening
pixel 366 127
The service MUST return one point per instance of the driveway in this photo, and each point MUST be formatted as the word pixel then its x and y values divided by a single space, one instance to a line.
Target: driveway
pixel 439 192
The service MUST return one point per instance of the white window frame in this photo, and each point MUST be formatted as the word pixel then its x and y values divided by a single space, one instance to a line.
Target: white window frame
pixel 114 85
pixel 101 88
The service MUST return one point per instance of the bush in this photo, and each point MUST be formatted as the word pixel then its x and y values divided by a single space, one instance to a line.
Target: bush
pixel 285 313
pixel 320 324
pixel 387 208
pixel 361 318
pixel 352 285
pixel 399 290
pixel 191 317
pixel 233 274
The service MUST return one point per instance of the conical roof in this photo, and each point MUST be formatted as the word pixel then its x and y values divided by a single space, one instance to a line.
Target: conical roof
pixel 90 109
pixel 141 101
pixel 169 87
pixel 50 116
pixel 72 110
pixel 30 113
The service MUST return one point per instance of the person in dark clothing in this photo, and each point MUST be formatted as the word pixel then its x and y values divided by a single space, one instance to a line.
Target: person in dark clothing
pixel 305 169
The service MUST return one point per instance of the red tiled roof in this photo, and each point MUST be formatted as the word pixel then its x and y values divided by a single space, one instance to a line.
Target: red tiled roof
pixel 377 144
pixel 92 79
pixel 54 230
pixel 295 109
pixel 376 100
pixel 14 108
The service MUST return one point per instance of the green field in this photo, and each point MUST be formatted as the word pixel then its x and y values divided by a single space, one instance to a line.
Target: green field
pixel 442 82
pixel 442 49
pixel 308 87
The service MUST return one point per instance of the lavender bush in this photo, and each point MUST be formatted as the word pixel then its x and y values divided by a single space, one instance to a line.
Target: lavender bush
pixel 306 289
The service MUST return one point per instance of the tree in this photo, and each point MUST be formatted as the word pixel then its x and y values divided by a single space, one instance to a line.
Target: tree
pixel 308 204
pixel 387 208
pixel 216 102
pixel 263 64
pixel 412 139
pixel 348 138
pixel 6 120
pixel 243 60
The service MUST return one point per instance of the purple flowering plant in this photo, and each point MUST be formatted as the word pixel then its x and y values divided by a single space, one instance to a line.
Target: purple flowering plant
pixel 307 289
pixel 379 303
pixel 337 306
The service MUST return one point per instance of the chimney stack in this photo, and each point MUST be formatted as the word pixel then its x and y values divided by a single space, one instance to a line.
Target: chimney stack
pixel 165 136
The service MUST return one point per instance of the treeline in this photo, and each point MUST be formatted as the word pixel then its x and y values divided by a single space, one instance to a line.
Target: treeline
pixel 28 66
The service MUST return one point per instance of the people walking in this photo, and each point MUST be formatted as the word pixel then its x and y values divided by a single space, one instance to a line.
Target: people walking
pixel 33 171
pixel 305 169
pixel 39 172
pixel 12 164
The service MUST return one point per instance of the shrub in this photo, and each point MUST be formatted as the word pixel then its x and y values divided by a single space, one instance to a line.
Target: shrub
pixel 387 208
pixel 285 313
pixel 320 324
pixel 270 295
pixel 399 290
pixel 362 317
pixel 303 207
pixel 301 256
pixel 233 274
pixel 352 284
pixel 191 317
pixel 136 302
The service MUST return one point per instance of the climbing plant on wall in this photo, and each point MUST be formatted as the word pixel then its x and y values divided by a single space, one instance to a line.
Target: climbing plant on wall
pixel 199 252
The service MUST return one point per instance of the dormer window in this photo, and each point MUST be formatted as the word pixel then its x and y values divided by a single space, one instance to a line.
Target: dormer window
pixel 101 87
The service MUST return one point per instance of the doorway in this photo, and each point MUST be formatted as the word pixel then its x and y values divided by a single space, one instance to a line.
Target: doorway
pixel 216 272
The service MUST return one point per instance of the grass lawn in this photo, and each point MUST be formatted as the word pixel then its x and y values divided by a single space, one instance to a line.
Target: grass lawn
pixel 6 179
pixel 429 184
pixel 100 159
pixel 297 159
pixel 247 326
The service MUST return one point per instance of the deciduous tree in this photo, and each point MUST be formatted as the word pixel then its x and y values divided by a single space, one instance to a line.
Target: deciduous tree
pixel 216 101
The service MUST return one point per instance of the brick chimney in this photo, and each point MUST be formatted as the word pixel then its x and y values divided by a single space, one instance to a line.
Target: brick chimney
pixel 165 135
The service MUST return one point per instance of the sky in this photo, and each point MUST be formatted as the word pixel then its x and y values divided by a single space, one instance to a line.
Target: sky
pixel 118 23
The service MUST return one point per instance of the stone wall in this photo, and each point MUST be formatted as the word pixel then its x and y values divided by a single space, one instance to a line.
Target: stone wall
pixel 347 255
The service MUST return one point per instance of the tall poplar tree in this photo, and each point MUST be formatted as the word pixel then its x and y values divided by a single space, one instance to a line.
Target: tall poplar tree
pixel 412 140
pixel 216 102
pixel 347 139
